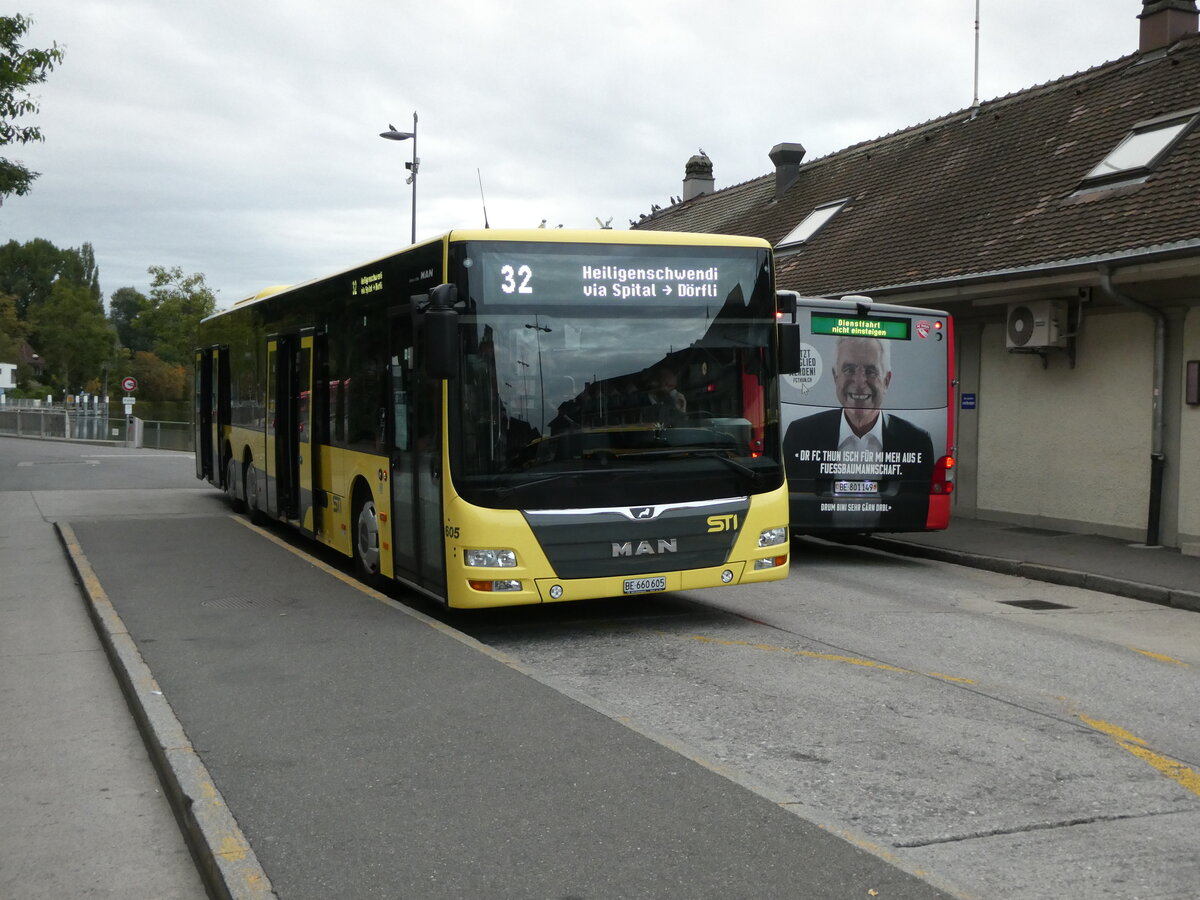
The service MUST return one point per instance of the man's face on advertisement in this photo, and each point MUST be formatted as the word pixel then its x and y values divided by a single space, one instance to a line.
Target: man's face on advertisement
pixel 860 381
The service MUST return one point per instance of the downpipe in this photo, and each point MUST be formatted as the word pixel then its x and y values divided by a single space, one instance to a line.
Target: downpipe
pixel 1157 457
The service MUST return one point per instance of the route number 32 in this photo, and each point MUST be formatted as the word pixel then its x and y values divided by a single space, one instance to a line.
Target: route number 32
pixel 516 281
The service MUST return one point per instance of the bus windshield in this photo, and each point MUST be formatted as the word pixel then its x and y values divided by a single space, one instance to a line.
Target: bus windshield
pixel 585 377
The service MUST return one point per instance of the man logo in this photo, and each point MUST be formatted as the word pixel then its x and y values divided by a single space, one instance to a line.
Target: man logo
pixel 645 548
pixel 642 512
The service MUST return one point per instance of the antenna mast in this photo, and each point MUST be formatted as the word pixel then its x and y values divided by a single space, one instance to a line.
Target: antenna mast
pixel 481 198
pixel 975 99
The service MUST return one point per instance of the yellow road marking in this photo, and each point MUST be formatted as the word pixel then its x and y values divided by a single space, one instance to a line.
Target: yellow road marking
pixel 828 657
pixel 1174 770
pixel 233 848
pixel 1161 657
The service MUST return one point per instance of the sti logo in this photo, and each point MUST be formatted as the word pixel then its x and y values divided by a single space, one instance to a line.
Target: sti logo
pixel 728 522
pixel 923 328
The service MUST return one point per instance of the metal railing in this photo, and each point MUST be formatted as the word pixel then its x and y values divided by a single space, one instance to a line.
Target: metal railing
pixel 166 435
pixel 64 423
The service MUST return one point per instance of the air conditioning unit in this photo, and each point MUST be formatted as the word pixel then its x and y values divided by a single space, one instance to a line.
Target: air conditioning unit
pixel 1036 325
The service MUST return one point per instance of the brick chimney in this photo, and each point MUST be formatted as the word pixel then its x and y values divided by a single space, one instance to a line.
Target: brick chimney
pixel 698 176
pixel 786 158
pixel 1166 21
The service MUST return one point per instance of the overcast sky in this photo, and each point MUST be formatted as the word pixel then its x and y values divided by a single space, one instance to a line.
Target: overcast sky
pixel 239 138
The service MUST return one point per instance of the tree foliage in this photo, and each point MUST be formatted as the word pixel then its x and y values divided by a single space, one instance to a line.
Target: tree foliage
pixel 156 379
pixel 177 304
pixel 29 270
pixel 51 298
pixel 12 329
pixel 70 331
pixel 126 307
pixel 19 68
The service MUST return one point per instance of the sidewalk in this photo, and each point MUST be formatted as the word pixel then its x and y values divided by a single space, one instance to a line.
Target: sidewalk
pixel 82 810
pixel 1155 574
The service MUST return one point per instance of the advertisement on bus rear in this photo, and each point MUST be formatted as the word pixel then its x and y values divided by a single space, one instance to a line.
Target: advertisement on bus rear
pixel 865 419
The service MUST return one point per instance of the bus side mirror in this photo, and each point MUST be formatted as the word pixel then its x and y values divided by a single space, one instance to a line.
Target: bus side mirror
pixel 441 333
pixel 789 349
pixel 788 302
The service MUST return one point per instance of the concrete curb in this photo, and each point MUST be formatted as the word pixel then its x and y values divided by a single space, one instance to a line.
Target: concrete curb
pixel 1136 590
pixel 227 863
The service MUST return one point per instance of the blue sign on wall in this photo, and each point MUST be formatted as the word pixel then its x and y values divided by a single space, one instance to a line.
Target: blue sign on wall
pixel 968 401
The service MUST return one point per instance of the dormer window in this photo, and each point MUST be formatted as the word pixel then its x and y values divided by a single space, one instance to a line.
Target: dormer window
pixel 812 224
pixel 1140 150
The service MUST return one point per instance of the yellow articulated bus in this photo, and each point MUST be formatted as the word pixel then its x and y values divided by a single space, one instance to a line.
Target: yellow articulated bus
pixel 495 417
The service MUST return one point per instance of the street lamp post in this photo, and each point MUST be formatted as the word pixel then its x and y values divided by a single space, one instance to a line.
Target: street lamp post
pixel 393 135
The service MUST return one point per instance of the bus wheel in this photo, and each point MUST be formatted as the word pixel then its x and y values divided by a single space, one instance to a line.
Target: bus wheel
pixel 366 539
pixel 233 484
pixel 252 493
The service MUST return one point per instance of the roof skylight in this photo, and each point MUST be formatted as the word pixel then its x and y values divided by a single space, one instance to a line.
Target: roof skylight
pixel 1144 146
pixel 812 223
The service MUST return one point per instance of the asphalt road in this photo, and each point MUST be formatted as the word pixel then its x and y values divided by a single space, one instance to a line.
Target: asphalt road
pixel 1019 753
pixel 903 707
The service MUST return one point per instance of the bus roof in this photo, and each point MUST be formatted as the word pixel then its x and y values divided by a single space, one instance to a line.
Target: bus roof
pixel 532 235
pixel 850 304
pixel 603 236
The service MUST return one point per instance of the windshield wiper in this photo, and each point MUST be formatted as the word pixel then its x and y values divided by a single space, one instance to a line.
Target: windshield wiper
pixel 510 489
pixel 698 452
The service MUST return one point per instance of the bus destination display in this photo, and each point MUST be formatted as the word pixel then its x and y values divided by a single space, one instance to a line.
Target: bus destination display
pixel 846 326
pixel 512 278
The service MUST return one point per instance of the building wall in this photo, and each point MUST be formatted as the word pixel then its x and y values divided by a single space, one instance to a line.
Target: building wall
pixel 968 337
pixel 1189 445
pixel 1063 446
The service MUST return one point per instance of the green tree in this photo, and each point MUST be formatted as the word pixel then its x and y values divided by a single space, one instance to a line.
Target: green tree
pixel 12 329
pixel 28 271
pixel 70 331
pixel 79 267
pixel 126 307
pixel 158 380
pixel 177 304
pixel 19 69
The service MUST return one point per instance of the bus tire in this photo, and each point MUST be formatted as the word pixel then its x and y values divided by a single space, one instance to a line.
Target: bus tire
pixel 252 495
pixel 366 537
pixel 233 484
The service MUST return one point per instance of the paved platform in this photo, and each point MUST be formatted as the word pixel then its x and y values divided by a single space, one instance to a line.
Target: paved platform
pixel 364 750
pixel 82 812
pixel 1155 574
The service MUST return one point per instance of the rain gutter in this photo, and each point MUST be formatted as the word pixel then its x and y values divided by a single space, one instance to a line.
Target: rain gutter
pixel 1125 258
pixel 1157 456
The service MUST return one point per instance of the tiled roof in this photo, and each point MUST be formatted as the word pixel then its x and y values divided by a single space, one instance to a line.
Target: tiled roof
pixel 978 191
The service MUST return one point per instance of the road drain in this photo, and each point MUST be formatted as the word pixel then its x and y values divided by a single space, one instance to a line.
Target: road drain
pixel 1036 604
pixel 234 603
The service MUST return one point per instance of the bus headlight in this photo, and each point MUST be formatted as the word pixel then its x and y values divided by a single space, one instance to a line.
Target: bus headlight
pixel 490 559
pixel 773 537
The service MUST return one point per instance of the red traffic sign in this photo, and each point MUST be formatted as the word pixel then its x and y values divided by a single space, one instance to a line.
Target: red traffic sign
pixel 129 384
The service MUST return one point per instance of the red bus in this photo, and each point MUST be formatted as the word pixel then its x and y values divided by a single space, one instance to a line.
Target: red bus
pixel 868 419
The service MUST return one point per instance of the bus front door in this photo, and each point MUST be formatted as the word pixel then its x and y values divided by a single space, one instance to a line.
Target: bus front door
pixel 283 444
pixel 415 437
